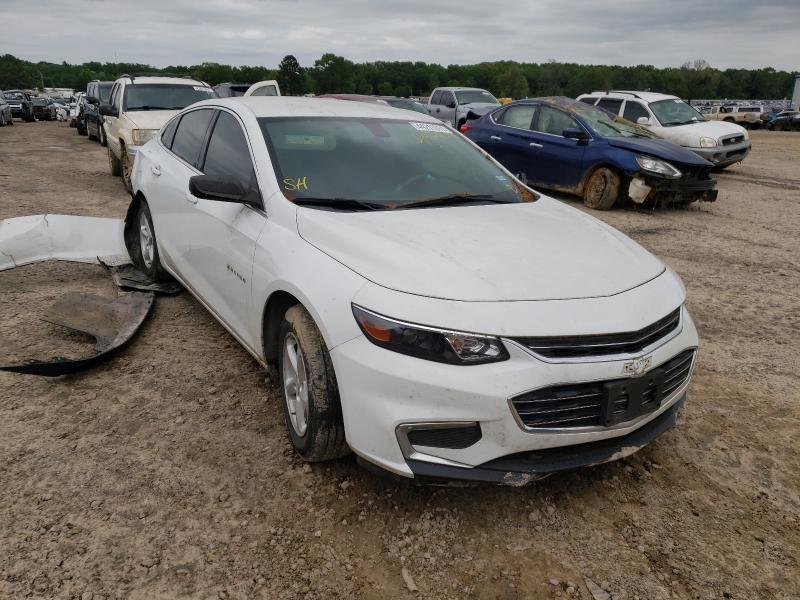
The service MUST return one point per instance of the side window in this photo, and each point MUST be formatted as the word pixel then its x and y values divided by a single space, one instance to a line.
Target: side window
pixel 169 133
pixel 634 110
pixel 118 97
pixel 228 154
pixel 190 135
pixel 437 97
pixel 589 100
pixel 519 116
pixel 448 99
pixel 610 104
pixel 266 90
pixel 553 121
pixel 113 95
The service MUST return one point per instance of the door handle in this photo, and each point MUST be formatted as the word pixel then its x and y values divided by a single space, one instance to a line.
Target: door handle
pixel 438 110
pixel 155 170
pixel 535 145
pixel 495 138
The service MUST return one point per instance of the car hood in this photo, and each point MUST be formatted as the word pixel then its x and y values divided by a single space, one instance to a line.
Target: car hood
pixel 533 251
pixel 689 135
pixel 150 119
pixel 663 149
pixel 479 108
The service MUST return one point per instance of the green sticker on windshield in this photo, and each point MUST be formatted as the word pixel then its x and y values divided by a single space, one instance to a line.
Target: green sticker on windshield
pixel 304 140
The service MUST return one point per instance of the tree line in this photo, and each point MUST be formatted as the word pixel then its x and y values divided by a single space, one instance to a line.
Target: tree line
pixel 336 74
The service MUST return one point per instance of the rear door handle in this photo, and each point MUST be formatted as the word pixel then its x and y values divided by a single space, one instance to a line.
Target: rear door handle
pixel 155 170
pixel 495 138
pixel 535 145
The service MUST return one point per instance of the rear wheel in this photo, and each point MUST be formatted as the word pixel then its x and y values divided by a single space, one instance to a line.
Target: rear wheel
pixel 114 164
pixel 311 402
pixel 88 131
pixel 81 127
pixel 602 189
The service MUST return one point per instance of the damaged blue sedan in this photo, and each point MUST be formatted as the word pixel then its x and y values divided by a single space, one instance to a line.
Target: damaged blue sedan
pixel 565 145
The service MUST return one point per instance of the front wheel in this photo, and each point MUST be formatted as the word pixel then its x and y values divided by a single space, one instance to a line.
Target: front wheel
pixel 143 246
pixel 602 189
pixel 101 135
pixel 114 164
pixel 126 170
pixel 311 404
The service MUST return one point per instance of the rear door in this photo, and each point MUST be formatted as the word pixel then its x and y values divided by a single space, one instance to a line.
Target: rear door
pixel 612 105
pixel 509 140
pixel 558 160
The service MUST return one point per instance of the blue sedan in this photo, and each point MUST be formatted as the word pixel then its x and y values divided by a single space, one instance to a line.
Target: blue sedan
pixel 565 145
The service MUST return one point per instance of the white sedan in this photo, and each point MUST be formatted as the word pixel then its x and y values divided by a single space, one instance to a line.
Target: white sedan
pixel 423 308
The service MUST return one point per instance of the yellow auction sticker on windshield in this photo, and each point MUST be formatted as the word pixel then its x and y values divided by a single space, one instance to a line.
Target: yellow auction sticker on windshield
pixel 304 140
pixel 430 127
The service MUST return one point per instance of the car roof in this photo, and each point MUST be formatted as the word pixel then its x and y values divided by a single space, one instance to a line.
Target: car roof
pixel 461 89
pixel 623 94
pixel 290 106
pixel 156 79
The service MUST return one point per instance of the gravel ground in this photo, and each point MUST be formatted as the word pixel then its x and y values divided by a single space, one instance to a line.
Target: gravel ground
pixel 166 472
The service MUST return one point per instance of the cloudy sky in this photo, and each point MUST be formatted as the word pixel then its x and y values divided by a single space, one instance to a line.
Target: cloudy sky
pixel 735 33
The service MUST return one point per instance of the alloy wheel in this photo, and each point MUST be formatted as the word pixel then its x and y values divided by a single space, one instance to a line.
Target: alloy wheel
pixel 146 241
pixel 295 384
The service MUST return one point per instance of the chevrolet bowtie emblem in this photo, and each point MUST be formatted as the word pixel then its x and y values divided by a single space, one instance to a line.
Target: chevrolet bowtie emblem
pixel 637 366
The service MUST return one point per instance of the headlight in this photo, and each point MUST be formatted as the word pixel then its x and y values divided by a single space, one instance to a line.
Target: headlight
pixel 657 166
pixel 440 345
pixel 707 142
pixel 142 136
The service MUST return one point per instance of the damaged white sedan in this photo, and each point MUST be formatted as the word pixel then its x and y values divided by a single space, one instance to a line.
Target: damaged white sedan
pixel 422 307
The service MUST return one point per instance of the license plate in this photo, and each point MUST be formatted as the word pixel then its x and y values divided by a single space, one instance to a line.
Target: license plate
pixel 626 399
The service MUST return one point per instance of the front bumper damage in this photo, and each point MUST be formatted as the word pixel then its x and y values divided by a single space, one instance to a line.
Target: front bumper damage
pixel 111 321
pixel 692 186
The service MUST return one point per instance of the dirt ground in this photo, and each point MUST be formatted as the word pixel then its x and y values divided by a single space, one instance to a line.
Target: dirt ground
pixel 166 472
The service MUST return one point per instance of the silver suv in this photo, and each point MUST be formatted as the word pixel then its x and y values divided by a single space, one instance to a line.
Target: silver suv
pixel 457 105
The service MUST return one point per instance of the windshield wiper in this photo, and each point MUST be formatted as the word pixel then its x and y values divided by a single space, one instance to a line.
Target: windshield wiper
pixel 454 199
pixel 338 203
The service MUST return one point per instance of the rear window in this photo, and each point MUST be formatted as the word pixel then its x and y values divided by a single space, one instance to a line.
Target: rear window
pixel 589 100
pixel 265 90
pixel 164 96
pixel 610 104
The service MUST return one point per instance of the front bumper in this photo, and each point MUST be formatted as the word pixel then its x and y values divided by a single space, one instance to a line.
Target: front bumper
pixel 722 156
pixel 693 185
pixel 18 111
pixel 132 150
pixel 384 395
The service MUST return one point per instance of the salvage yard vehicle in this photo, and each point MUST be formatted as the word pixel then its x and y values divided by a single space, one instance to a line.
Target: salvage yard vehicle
pixel 673 119
pixel 730 114
pixel 90 119
pixel 405 104
pixel 21 104
pixel 43 108
pixel 137 108
pixel 268 87
pixel 6 116
pixel 354 98
pixel 419 305
pixel 231 90
pixel 569 146
pixel 787 120
pixel 457 105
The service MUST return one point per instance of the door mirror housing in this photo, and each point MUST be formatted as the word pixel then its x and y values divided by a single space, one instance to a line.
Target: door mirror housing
pixel 643 121
pixel 222 189
pixel 574 133
pixel 107 110
pixel 451 104
pixel 92 100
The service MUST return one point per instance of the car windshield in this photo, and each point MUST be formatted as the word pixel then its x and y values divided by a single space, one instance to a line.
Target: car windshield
pixel 470 96
pixel 164 96
pixel 607 125
pixel 675 112
pixel 382 163
pixel 104 89
pixel 407 104
pixel 14 95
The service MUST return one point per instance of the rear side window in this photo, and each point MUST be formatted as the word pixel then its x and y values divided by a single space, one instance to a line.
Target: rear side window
pixel 190 135
pixel 519 116
pixel 554 121
pixel 610 104
pixel 228 154
pixel 634 110
pixel 589 100
pixel 169 133
pixel 266 90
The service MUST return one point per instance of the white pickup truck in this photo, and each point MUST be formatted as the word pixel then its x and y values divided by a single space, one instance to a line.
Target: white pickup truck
pixel 457 105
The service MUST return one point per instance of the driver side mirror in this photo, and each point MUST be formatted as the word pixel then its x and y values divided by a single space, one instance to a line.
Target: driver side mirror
pixel 222 189
pixel 451 104
pixel 574 133
pixel 643 121
pixel 92 100
pixel 107 110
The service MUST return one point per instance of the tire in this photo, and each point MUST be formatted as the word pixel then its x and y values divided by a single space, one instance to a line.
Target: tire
pixel 2 120
pixel 602 189
pixel 126 167
pixel 144 246
pixel 30 118
pixel 101 135
pixel 114 164
pixel 81 128
pixel 315 425
pixel 89 135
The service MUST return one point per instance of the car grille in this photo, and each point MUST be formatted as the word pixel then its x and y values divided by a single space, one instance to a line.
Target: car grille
pixel 734 139
pixel 601 345
pixel 590 404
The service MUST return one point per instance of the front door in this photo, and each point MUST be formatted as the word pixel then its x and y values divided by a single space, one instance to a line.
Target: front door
pixel 558 159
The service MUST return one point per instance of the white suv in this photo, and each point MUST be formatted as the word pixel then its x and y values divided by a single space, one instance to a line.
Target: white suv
pixel 137 108
pixel 673 119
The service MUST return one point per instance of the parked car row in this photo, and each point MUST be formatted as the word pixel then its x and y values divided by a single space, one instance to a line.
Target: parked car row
pixel 422 307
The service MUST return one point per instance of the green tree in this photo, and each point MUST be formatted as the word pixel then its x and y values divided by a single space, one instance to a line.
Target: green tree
pixel 403 90
pixel 290 77
pixel 332 74
pixel 385 88
pixel 364 87
pixel 512 84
